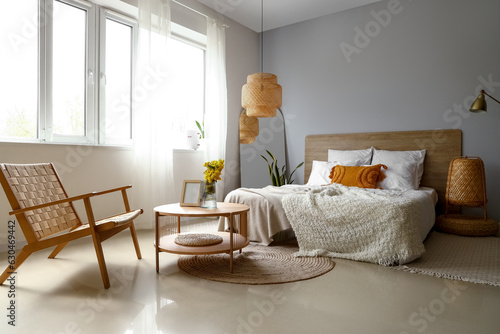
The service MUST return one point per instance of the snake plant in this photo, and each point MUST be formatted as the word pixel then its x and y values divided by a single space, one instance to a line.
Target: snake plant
pixel 278 175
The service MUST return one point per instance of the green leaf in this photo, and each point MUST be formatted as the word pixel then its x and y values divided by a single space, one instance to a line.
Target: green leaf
pixel 277 171
pixel 269 166
pixel 290 181
pixel 271 155
pixel 201 129
pixel 277 174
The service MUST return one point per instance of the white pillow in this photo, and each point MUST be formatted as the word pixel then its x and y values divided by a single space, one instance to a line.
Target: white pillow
pixel 320 172
pixel 351 158
pixel 404 168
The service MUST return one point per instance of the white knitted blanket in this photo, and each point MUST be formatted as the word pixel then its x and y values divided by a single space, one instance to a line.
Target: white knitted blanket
pixel 356 224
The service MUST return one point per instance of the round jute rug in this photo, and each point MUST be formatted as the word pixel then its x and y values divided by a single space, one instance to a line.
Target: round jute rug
pixel 256 265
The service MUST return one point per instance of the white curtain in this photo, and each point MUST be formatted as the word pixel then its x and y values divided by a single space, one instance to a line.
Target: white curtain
pixel 216 97
pixel 153 170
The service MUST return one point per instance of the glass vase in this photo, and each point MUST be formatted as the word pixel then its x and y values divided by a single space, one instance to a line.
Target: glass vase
pixel 208 198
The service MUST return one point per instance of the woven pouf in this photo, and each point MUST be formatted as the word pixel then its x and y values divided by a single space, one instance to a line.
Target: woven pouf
pixel 197 239
pixel 467 225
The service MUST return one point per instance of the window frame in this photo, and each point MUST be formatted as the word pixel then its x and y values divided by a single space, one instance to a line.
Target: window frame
pixel 45 84
pixel 106 13
pixel 94 79
pixel 94 100
pixel 194 39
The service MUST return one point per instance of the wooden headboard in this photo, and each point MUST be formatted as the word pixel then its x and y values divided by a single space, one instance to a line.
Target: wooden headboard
pixel 441 145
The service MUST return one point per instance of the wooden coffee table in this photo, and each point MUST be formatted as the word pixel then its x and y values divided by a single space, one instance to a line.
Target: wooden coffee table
pixel 231 241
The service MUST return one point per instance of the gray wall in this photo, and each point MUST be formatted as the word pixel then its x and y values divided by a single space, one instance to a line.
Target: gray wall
pixel 420 70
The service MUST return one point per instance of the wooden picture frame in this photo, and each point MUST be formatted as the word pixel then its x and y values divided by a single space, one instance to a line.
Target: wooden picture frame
pixel 191 192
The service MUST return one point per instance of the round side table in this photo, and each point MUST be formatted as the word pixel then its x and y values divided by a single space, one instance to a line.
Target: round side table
pixel 231 240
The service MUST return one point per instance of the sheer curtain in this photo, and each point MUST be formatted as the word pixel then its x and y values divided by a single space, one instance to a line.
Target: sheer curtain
pixel 216 97
pixel 153 177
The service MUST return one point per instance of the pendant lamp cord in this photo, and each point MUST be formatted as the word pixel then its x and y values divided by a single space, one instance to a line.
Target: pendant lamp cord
pixel 262 42
pixel 262 86
pixel 262 36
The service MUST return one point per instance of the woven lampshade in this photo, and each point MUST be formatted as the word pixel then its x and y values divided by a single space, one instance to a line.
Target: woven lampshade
pixel 249 128
pixel 466 187
pixel 246 140
pixel 261 96
pixel 466 182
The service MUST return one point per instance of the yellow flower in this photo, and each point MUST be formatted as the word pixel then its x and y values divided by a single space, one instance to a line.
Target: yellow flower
pixel 214 170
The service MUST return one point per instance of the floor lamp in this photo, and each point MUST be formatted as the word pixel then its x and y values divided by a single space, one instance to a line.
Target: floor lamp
pixel 466 186
pixel 479 106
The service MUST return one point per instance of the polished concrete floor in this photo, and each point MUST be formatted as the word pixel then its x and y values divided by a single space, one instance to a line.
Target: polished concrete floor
pixel 65 295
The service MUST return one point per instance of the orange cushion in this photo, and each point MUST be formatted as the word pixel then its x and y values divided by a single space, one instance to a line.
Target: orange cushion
pixel 358 176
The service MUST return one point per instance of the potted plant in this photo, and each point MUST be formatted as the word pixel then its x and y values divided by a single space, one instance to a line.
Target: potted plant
pixel 278 175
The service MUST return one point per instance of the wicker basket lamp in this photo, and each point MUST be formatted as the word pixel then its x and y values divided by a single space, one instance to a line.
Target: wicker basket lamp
pixel 466 187
pixel 249 128
pixel 262 95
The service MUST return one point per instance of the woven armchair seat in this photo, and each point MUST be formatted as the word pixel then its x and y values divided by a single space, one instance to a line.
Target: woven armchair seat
pixel 114 221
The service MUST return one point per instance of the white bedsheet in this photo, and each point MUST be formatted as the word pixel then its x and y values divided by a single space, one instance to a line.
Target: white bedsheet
pixel 267 217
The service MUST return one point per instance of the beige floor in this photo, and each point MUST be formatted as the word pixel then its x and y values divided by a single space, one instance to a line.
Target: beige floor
pixel 65 295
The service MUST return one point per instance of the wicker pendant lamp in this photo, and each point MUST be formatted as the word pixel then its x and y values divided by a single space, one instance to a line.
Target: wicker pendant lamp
pixel 249 128
pixel 466 187
pixel 261 96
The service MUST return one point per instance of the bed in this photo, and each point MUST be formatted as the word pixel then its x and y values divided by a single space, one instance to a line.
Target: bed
pixel 268 221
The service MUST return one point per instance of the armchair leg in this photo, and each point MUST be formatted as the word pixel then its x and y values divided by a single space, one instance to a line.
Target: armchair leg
pixel 57 250
pixel 100 258
pixel 60 246
pixel 136 242
pixel 23 255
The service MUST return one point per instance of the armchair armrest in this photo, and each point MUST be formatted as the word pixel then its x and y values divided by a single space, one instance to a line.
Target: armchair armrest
pixel 69 199
pixel 61 201
pixel 97 193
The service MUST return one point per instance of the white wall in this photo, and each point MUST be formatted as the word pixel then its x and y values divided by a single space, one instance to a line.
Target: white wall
pixel 95 168
pixel 420 70
pixel 82 169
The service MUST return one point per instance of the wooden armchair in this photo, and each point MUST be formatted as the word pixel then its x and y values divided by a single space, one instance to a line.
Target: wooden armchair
pixel 47 216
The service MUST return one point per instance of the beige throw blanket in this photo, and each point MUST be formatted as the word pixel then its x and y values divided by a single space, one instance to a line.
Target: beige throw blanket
pixel 266 217
pixel 352 223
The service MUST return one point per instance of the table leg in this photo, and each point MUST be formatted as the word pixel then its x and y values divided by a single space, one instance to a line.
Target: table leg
pixel 157 242
pixel 231 227
pixel 178 224
pixel 243 226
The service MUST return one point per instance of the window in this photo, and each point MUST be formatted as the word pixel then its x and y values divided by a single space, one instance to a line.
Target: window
pixel 18 116
pixel 186 87
pixel 70 72
pixel 116 64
